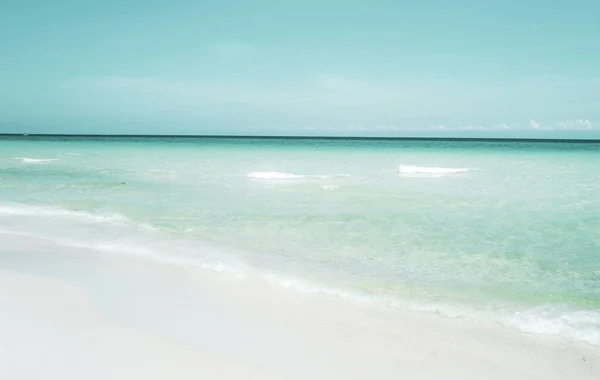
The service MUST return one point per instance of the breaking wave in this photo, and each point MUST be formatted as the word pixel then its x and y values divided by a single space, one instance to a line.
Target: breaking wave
pixel 28 160
pixel 48 211
pixel 288 176
pixel 430 170
pixel 190 252
pixel 273 175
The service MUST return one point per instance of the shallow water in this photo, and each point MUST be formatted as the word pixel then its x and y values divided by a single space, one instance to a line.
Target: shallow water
pixel 506 232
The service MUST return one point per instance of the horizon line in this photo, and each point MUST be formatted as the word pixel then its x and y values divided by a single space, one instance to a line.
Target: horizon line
pixel 301 137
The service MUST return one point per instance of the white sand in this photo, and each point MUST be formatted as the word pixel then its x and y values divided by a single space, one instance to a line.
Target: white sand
pixel 80 314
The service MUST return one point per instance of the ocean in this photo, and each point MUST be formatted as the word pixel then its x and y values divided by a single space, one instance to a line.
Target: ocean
pixel 499 232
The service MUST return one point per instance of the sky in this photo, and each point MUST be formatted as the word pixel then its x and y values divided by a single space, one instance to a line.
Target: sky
pixel 510 68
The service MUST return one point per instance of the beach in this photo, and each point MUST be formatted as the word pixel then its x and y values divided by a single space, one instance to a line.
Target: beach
pixel 70 314
pixel 172 257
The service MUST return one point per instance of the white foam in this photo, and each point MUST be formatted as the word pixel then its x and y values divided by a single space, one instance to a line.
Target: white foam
pixel 578 325
pixel 273 175
pixel 430 170
pixel 27 210
pixel 149 250
pixel 28 160
pixel 288 176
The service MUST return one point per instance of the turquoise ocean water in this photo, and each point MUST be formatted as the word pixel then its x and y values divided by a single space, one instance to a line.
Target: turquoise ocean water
pixel 500 232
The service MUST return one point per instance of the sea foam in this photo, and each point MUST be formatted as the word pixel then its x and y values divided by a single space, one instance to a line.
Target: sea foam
pixel 274 175
pixel 579 325
pixel 36 211
pixel 430 170
pixel 28 160
pixel 288 176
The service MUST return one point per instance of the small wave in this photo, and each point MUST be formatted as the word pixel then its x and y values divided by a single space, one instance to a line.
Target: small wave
pixel 27 210
pixel 154 252
pixel 578 325
pixel 28 160
pixel 284 176
pixel 430 170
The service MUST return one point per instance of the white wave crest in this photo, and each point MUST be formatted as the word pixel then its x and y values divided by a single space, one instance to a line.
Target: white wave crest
pixel 155 252
pixel 27 210
pixel 28 160
pixel 579 325
pixel 430 170
pixel 287 176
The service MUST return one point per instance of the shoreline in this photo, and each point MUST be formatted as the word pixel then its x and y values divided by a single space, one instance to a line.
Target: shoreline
pixel 57 301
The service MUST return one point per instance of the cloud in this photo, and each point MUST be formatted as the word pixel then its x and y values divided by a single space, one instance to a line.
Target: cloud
pixel 398 128
pixel 577 124
pixel 572 125
pixel 565 125
pixel 457 128
pixel 534 124
pixel 473 127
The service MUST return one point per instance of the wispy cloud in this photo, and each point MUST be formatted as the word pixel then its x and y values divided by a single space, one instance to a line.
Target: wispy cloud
pixel 571 125
pixel 534 124
pixel 577 124
pixel 563 125
pixel 473 127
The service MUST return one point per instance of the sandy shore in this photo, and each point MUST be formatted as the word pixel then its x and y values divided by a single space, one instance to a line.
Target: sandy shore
pixel 67 313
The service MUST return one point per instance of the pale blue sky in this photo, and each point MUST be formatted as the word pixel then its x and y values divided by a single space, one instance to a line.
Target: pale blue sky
pixel 432 67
